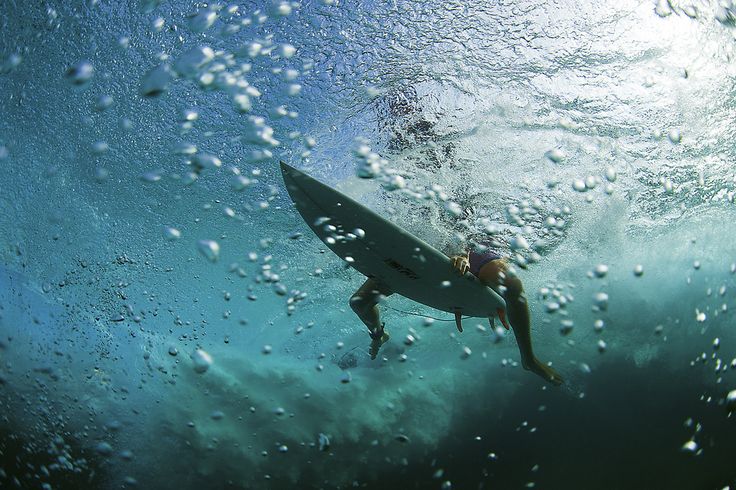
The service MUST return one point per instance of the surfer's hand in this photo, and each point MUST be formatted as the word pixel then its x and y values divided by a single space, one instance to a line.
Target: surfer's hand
pixel 460 263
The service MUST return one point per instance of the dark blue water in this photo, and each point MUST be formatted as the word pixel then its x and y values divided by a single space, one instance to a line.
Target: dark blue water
pixel 167 320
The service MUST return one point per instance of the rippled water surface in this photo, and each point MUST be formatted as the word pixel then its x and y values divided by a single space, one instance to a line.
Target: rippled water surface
pixel 168 320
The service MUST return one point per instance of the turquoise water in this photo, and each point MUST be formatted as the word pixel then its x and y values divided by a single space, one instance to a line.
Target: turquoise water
pixel 167 320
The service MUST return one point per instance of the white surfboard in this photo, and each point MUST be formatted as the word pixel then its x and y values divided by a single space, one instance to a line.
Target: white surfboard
pixel 380 249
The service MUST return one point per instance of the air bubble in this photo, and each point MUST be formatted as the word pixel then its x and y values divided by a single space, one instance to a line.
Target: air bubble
pixel 201 361
pixel 675 136
pixel 158 24
pixel 210 249
pixel 600 301
pixel 555 155
pixel 611 174
pixel 100 147
pixel 466 352
pixel 598 325
pixel 103 103
pixel 202 20
pixel 190 63
pixel 156 81
pixel 171 233
pixel 579 185
pixel 600 270
pixel 690 446
pixel 731 399
pixel 80 73
pixel 104 448
pixel 602 346
pixel 519 243
pixel 205 161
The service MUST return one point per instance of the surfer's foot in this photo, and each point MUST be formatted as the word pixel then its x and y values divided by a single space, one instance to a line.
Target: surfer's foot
pixel 378 338
pixel 544 371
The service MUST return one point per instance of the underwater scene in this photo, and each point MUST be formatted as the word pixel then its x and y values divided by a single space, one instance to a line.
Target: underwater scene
pixel 381 244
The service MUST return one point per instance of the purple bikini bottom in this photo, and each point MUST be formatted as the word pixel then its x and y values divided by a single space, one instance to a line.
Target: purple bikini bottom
pixel 478 260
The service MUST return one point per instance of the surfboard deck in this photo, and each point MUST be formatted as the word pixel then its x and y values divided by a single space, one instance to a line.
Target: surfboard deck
pixel 379 249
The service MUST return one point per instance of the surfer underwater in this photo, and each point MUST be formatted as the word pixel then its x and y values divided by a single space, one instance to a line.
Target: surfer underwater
pixel 401 117
pixel 493 271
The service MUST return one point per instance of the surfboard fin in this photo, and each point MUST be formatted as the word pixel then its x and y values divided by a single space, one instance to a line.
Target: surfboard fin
pixel 459 321
pixel 502 316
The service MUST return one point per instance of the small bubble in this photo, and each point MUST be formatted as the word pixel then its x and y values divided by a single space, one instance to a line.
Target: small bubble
pixel 173 351
pixel 156 81
pixel 598 325
pixel 266 349
pixel 600 270
pixel 80 73
pixel 600 301
pixel 690 446
pixel 171 233
pixel 555 155
pixel 210 249
pixel 731 397
pixel 205 161
pixel 579 185
pixel 100 147
pixel 551 306
pixel 675 136
pixel 638 270
pixel 157 24
pixel 611 174
pixel 287 50
pixel 104 448
pixel 151 177
pixel 519 243
pixel 202 20
pixel 283 9
pixel 403 438
pixel 103 103
pixel 201 360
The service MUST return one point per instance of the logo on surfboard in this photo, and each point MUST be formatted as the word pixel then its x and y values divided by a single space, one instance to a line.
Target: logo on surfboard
pixel 401 269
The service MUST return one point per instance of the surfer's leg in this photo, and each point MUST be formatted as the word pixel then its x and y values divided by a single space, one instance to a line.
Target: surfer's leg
pixel 496 274
pixel 364 303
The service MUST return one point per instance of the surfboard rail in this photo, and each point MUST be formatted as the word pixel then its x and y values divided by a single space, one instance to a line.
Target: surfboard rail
pixel 380 249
